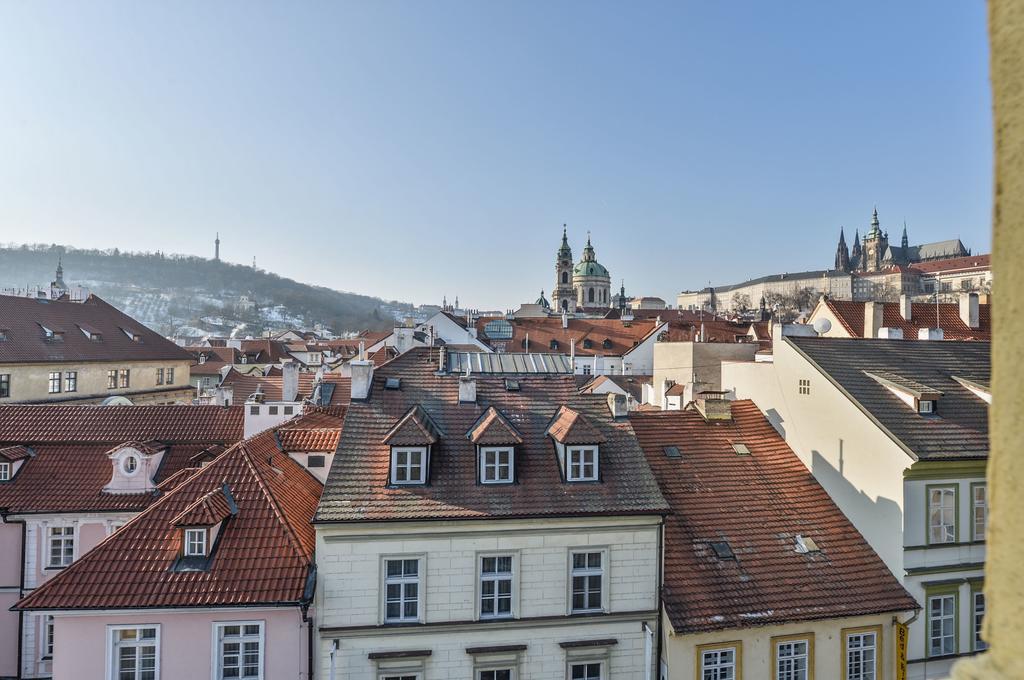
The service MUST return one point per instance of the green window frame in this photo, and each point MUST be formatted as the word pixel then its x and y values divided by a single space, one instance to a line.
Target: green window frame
pixel 937 592
pixel 975 507
pixel 929 488
pixel 977 598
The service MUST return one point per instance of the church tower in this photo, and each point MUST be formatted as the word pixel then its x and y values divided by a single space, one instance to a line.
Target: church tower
pixel 875 245
pixel 855 253
pixel 842 254
pixel 562 296
pixel 591 280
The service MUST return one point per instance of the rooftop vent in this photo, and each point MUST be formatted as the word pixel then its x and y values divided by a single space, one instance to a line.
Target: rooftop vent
pixel 806 544
pixel 723 550
pixel 672 452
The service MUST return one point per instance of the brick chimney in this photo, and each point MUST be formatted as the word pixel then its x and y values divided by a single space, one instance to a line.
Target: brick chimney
pixel 290 381
pixel 872 318
pixel 969 309
pixel 905 307
pixel 362 378
pixel 714 406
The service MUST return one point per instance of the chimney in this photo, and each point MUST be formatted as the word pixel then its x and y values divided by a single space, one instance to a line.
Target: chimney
pixel 905 308
pixel 930 334
pixel 617 405
pixel 223 395
pixel 969 309
pixel 565 319
pixel 872 318
pixel 714 406
pixel 890 333
pixel 362 378
pixel 290 381
pixel 467 389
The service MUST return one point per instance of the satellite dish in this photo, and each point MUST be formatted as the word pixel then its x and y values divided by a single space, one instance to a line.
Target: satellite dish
pixel 116 401
pixel 822 326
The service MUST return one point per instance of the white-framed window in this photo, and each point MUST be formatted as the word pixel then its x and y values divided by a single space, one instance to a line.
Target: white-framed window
pixel 159 376
pixel 926 406
pixel 71 381
pixel 586 580
pixel 942 514
pixel 48 637
pixel 942 624
pixel 401 589
pixel 124 378
pixel 862 655
pixel 5 472
pixel 130 464
pixel 62 546
pixel 495 586
pixel 978 598
pixel 718 664
pixel 404 676
pixel 170 375
pixel 239 646
pixel 792 659
pixel 408 465
pixel 804 385
pixel 195 542
pixel 54 382
pixel 582 465
pixel 586 670
pixel 496 465
pixel 134 652
pixel 979 511
pixel 495 674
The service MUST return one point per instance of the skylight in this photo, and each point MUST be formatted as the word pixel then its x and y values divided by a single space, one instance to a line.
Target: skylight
pixel 512 385
pixel 393 383
pixel 741 449
pixel 723 550
pixel 806 544
pixel 672 452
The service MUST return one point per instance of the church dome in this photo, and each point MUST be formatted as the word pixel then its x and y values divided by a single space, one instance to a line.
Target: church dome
pixel 590 268
pixel 542 301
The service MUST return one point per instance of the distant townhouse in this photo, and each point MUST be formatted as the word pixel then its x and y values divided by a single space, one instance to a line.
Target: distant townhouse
pixel 70 475
pixel 214 580
pixel 491 526
pixel 764 577
pixel 86 351
pixel 966 319
pixel 897 433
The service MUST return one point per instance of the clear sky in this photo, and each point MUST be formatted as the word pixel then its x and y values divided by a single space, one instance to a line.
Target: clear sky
pixel 416 149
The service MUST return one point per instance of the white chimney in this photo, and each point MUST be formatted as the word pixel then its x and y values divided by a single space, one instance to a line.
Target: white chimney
pixel 362 378
pixel 467 390
pixel 872 318
pixel 890 333
pixel 617 405
pixel 969 309
pixel 905 307
pixel 565 319
pixel 290 381
pixel 224 395
pixel 930 334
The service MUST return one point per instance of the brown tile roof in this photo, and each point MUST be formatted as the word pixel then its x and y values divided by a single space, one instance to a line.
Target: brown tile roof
pixel 607 337
pixel 415 428
pixel 714 331
pixel 264 351
pixel 23 319
pixel 65 423
pixel 211 508
pixel 493 429
pixel 922 315
pixel 223 355
pixel 571 427
pixel 758 503
pixel 245 385
pixel 14 453
pixel 208 368
pixel 263 555
pixel 357 487
pixel 318 429
pixel 968 263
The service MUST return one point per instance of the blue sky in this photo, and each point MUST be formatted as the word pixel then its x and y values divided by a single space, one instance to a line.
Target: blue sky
pixel 416 149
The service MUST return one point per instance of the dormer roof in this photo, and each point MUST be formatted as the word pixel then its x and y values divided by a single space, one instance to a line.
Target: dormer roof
pixel 415 428
pixel 12 454
pixel 493 429
pixel 904 385
pixel 571 427
pixel 149 448
pixel 209 509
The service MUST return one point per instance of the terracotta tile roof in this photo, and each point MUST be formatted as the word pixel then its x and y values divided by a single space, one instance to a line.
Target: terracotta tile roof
pixel 317 429
pixel 208 368
pixel 922 315
pixel 223 355
pixel 415 428
pixel 714 331
pixel 758 504
pixel 959 429
pixel 357 487
pixel 335 390
pixel 245 385
pixel 115 424
pixel 263 555
pixel 968 263
pixel 631 384
pixel 147 448
pixel 607 337
pixel 211 508
pixel 264 351
pixel 493 429
pixel 14 453
pixel 23 320
pixel 571 427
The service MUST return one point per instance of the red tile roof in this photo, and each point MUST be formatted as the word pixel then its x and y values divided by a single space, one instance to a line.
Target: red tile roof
pixel 263 555
pixel 922 315
pixel 357 487
pixel 607 337
pixel 14 453
pixel 245 385
pixel 415 428
pixel 954 264
pixel 570 427
pixel 23 319
pixel 211 508
pixel 758 503
pixel 493 429
pixel 115 424
pixel 318 429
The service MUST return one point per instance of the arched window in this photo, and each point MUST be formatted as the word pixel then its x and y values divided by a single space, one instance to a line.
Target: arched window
pixel 565 304
pixel 590 295
pixel 565 277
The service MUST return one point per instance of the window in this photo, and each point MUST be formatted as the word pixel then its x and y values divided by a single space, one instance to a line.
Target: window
pixel 5 472
pixel 942 624
pixel 195 542
pixel 134 653
pixel 590 295
pixel 5 385
pixel 130 465
pixel 862 654
pixel 495 586
pixel 408 466
pixel 582 464
pixel 926 406
pixel 71 381
pixel 718 662
pixel 496 465
pixel 414 676
pixel 54 383
pixel 804 386
pixel 495 674
pixel 112 379
pixel 272 410
pixel 587 370
pixel 401 590
pixel 585 671
pixel 587 580
pixel 979 511
pixel 48 637
pixel 942 514
pixel 316 461
pixel 124 378
pixel 979 615
pixel 159 376
pixel 254 410
pixel 170 375
pixel 793 658
pixel 239 650
pixel 62 546
pixel 289 410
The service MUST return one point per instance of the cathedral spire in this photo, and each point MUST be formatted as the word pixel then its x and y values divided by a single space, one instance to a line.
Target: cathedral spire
pixel 855 252
pixel 905 242
pixel 842 254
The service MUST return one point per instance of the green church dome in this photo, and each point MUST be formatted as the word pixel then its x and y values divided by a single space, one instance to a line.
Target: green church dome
pixel 590 268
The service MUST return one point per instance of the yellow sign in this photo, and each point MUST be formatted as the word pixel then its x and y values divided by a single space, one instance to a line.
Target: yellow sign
pixel 901 651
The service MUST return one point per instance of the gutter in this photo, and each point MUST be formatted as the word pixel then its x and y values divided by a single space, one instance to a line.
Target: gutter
pixel 307 599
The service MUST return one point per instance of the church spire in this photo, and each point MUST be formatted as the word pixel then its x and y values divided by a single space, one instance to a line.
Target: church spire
pixel 905 242
pixel 855 253
pixel 588 252
pixel 842 254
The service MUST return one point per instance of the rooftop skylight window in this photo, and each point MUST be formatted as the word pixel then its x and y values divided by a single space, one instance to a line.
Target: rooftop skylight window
pixel 672 452
pixel 512 385
pixel 392 383
pixel 740 449
pixel 806 544
pixel 723 550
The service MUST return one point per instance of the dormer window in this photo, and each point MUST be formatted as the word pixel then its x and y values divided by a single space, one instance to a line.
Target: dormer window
pixel 130 464
pixel 195 542
pixel 5 472
pixel 409 465
pixel 554 344
pixel 926 406
pixel 607 343
pixel 497 464
pixel 587 343
pixel 582 464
